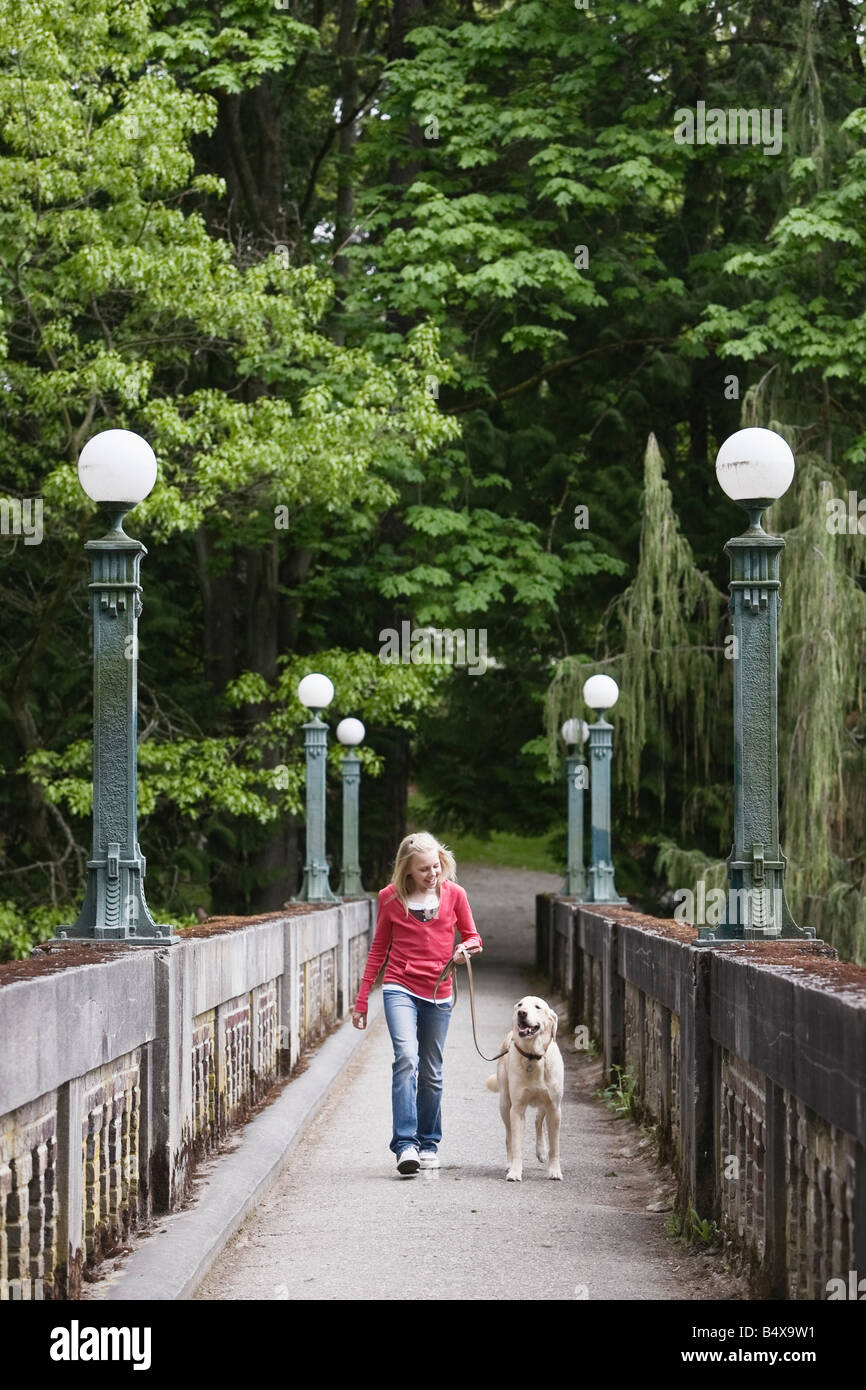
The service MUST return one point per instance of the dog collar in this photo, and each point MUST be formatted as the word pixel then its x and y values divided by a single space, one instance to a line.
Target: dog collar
pixel 533 1056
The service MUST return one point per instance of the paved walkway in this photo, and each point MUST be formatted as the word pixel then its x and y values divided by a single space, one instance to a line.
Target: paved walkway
pixel 340 1223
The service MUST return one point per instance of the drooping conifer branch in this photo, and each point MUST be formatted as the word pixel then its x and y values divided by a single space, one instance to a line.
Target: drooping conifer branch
pixel 671 660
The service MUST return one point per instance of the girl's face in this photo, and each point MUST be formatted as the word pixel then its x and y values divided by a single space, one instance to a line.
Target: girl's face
pixel 424 870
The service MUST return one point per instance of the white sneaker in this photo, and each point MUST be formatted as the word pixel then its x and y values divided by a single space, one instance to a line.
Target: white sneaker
pixel 408 1163
pixel 429 1158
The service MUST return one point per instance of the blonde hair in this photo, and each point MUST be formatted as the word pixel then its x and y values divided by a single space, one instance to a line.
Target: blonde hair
pixel 420 843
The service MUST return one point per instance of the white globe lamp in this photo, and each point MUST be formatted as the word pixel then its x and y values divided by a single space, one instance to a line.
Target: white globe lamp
pixel 601 692
pixel 316 692
pixel 350 732
pixel 574 731
pixel 754 467
pixel 117 467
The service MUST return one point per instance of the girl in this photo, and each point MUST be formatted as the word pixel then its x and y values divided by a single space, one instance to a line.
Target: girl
pixel 418 912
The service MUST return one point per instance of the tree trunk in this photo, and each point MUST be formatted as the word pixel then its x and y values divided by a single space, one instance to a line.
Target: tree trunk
pixel 349 94
pixel 219 595
pixel 272 881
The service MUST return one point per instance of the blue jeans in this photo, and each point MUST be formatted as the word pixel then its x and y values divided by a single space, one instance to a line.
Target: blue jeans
pixel 418 1028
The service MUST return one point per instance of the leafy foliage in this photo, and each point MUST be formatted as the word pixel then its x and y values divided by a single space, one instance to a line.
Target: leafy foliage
pixel 396 306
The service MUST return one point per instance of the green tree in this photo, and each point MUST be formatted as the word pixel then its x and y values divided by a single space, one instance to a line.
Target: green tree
pixel 121 308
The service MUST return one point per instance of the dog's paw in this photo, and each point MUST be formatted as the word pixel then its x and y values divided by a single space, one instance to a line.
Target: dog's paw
pixel 555 1173
pixel 511 1176
pixel 542 1155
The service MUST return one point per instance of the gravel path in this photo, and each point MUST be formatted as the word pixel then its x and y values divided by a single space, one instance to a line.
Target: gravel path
pixel 340 1223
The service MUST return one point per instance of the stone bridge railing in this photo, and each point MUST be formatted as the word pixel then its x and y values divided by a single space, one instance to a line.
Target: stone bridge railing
pixel 750 1060
pixel 121 1065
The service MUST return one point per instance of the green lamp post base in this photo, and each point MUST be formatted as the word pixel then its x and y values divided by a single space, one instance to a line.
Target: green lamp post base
pixel 755 910
pixel 114 906
pixel 602 888
pixel 315 887
pixel 350 883
pixel 575 885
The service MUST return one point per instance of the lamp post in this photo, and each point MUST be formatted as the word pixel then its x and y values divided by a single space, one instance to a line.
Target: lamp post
pixel 601 693
pixel 754 467
pixel 574 731
pixel 117 469
pixel 316 692
pixel 350 732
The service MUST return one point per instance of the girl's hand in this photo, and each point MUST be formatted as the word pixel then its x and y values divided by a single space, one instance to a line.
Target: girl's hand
pixel 463 950
pixel 358 1020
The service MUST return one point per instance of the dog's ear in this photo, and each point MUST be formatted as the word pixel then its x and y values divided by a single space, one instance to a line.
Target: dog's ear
pixel 554 1018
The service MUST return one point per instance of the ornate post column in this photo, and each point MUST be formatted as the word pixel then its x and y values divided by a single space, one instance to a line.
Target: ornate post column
pixel 350 880
pixel 316 887
pixel 602 888
pixel 576 779
pixel 350 733
pixel 316 692
pixel 115 907
pixel 754 467
pixel 601 693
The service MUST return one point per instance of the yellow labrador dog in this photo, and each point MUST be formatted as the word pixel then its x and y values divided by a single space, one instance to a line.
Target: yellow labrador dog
pixel 531 1073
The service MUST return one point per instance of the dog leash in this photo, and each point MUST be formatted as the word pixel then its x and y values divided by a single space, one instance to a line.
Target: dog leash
pixel 449 969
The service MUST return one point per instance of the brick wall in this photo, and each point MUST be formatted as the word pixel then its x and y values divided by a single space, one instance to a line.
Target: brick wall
pixel 750 1060
pixel 742 1154
pixel 204 1085
pixel 110 1152
pixel 28 1196
pixel 820 1188
pixel 123 1065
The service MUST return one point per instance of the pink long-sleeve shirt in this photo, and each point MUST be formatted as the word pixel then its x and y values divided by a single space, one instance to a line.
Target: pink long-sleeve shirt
pixel 419 950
